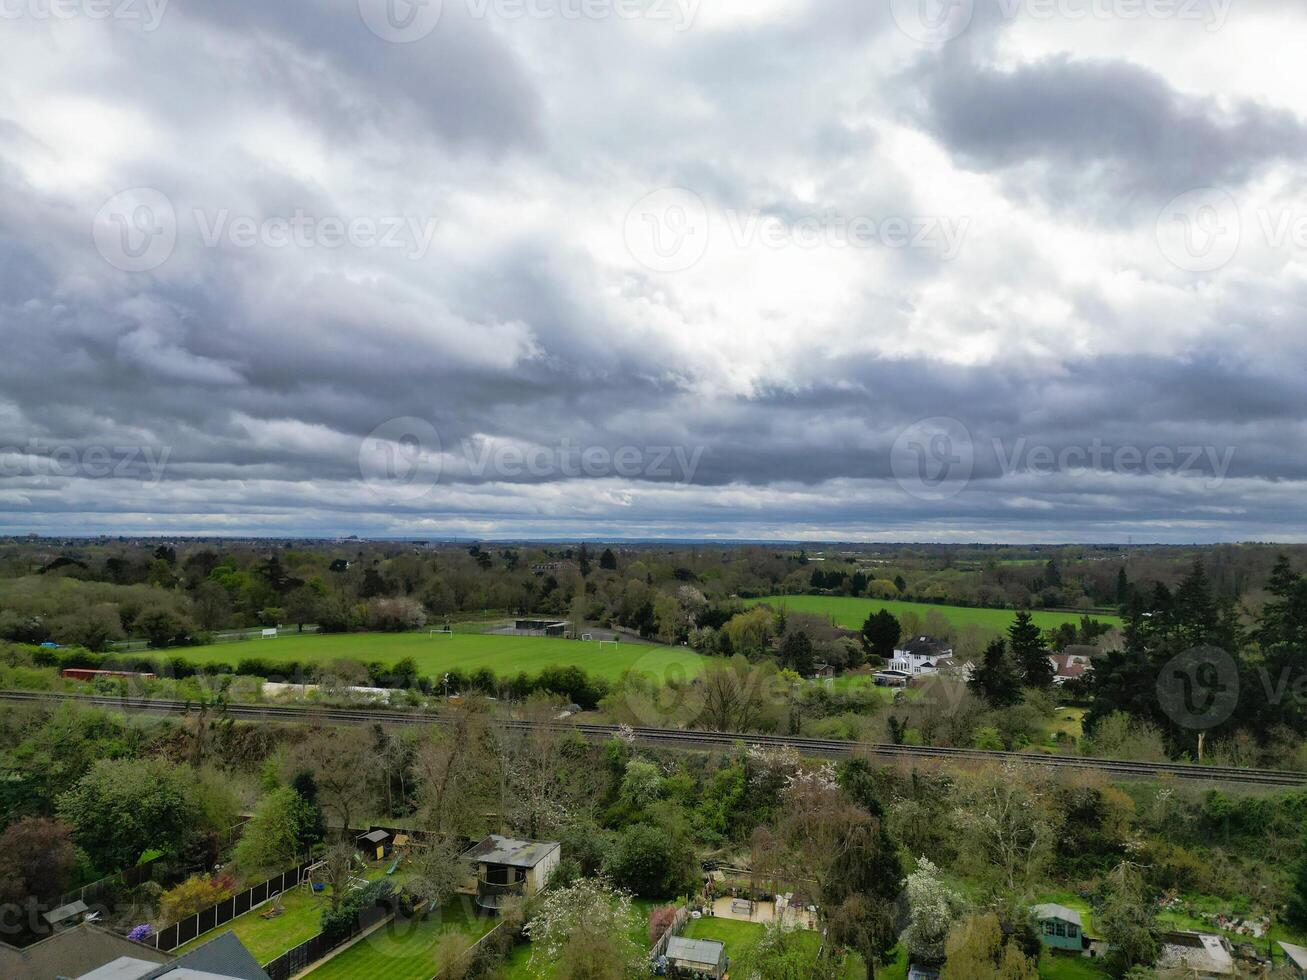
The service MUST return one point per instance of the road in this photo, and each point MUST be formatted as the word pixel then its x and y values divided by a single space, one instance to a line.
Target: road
pixel 673 738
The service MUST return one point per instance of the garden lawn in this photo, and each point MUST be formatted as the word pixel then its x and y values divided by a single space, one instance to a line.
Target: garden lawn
pixel 736 934
pixel 852 612
pixel 403 949
pixel 266 939
pixel 505 655
pixel 1070 968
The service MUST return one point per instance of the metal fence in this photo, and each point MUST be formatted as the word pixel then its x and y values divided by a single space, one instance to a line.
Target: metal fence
pixel 180 933
pixel 310 951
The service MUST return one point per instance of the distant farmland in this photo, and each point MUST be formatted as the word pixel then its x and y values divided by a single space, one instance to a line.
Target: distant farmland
pixel 505 655
pixel 851 612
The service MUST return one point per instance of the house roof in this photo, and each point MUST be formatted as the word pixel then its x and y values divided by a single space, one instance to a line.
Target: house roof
pixel 375 836
pixel 508 851
pixel 1053 911
pixel 695 950
pixel 225 957
pixel 71 953
pixel 1198 951
pixel 1067 665
pixel 924 646
pixel 1297 954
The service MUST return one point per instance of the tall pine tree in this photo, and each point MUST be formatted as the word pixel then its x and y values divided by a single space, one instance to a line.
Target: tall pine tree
pixel 1028 650
pixel 995 678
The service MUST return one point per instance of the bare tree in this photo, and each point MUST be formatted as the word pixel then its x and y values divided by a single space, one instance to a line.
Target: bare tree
pixel 454 769
pixel 536 787
pixel 341 760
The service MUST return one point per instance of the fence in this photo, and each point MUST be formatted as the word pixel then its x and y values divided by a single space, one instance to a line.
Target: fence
pixel 678 923
pixel 470 952
pixel 182 932
pixel 91 891
pixel 310 951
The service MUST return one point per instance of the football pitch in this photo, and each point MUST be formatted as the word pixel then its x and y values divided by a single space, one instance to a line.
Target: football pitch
pixel 506 656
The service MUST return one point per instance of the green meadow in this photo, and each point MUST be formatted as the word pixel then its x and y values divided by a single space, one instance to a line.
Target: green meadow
pixel 505 655
pixel 852 612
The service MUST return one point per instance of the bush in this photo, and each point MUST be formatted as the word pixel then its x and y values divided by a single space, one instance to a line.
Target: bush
pixel 194 895
pixel 338 922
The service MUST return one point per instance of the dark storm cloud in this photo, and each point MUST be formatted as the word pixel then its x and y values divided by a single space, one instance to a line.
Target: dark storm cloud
pixel 1098 128
pixel 246 379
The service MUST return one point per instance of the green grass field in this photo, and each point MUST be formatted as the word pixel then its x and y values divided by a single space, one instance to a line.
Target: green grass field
pixel 266 939
pixel 1070 968
pixel 402 949
pixel 852 613
pixel 505 655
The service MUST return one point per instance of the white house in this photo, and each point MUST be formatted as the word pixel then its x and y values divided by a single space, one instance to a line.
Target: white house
pixel 921 655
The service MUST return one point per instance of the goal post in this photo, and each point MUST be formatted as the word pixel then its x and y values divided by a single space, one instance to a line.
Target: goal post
pixel 607 643
pixel 587 636
pixel 446 631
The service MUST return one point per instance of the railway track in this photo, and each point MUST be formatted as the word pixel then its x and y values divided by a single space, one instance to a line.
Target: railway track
pixel 677 738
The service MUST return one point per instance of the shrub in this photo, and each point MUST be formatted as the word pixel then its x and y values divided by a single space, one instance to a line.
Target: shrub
pixel 337 923
pixel 194 895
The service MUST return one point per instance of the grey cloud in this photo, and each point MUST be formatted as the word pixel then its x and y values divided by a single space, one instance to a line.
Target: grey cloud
pixel 1095 130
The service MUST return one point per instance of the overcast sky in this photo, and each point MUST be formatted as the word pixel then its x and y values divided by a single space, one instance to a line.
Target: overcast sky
pixel 1014 270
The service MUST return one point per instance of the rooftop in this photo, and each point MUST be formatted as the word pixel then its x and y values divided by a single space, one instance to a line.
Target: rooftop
pixel 496 849
pixel 1297 954
pixel 695 950
pixel 1053 911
